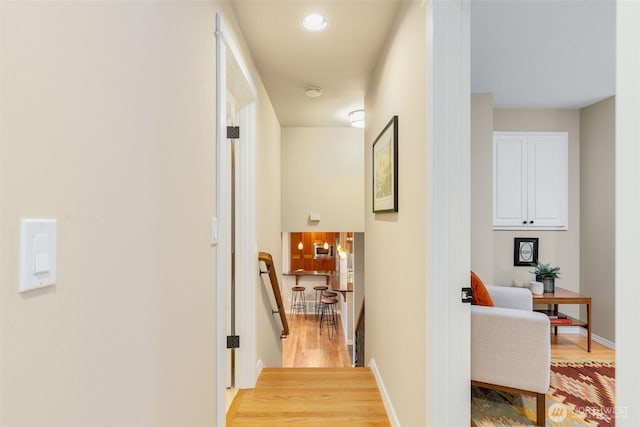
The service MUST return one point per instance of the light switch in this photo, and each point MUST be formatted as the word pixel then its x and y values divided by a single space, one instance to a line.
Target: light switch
pixel 41 253
pixel 37 253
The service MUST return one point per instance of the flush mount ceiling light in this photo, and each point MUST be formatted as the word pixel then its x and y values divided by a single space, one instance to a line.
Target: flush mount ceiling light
pixel 356 118
pixel 313 91
pixel 314 22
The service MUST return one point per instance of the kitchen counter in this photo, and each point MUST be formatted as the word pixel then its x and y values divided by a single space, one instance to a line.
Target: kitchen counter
pixel 338 282
pixel 311 273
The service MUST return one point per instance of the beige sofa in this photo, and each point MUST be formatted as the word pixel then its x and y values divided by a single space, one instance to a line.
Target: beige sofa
pixel 510 346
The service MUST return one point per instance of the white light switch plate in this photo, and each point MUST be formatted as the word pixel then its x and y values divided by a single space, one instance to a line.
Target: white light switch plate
pixel 37 253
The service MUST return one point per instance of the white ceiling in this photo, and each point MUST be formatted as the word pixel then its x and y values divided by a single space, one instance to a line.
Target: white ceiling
pixel 528 53
pixel 543 54
pixel 339 60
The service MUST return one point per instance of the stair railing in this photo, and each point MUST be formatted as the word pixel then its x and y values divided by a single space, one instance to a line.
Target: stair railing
pixel 359 341
pixel 273 278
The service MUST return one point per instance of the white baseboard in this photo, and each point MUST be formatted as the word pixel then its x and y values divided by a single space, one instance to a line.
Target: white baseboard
pixel 603 341
pixel 577 330
pixel 259 368
pixel 391 413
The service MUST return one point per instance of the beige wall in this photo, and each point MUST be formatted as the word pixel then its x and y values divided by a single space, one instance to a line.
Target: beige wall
pixel 268 229
pixel 395 245
pixel 482 186
pixel 322 172
pixel 108 125
pixel 560 248
pixel 597 213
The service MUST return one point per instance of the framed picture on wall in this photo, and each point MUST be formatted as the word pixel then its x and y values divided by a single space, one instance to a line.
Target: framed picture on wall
pixel 525 251
pixel 385 169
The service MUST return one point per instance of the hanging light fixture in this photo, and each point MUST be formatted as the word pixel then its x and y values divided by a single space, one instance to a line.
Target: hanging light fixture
pixel 356 118
pixel 300 246
pixel 326 245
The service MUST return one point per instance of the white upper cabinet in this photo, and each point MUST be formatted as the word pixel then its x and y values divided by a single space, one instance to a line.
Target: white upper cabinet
pixel 530 178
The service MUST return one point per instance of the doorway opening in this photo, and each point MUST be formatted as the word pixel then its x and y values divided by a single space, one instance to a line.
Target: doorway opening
pixel 323 291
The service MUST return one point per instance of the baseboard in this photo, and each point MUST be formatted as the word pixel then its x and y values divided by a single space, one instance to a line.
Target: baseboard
pixel 577 330
pixel 391 413
pixel 603 341
pixel 259 368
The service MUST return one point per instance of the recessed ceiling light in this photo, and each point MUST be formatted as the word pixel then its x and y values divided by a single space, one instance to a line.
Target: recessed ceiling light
pixel 356 118
pixel 314 22
pixel 313 91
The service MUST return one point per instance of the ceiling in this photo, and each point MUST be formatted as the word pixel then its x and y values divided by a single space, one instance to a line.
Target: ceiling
pixel 339 60
pixel 543 54
pixel 527 53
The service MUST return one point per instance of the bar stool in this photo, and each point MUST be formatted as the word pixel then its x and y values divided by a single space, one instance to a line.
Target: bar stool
pixel 328 315
pixel 298 302
pixel 319 293
pixel 329 294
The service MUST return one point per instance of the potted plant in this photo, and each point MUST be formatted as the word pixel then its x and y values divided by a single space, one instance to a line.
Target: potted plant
pixel 546 274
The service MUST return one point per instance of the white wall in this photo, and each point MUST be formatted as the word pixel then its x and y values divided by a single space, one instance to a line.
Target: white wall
pixel 322 172
pixel 560 248
pixel 104 130
pixel 627 212
pixel 395 246
pixel 597 213
pixel 108 114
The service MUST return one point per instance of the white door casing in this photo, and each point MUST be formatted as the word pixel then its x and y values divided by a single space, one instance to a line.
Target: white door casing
pixel 232 75
pixel 449 123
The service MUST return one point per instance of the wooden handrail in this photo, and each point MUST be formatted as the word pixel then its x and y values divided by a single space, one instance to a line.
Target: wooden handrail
pixel 273 278
pixel 359 341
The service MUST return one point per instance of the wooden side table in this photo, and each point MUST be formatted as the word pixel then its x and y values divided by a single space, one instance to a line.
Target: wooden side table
pixel 565 296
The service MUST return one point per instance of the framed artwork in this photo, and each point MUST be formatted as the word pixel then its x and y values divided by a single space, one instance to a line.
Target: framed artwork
pixel 525 251
pixel 385 169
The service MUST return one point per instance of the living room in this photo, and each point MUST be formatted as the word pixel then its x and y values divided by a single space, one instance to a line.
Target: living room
pixel 583 250
pixel 539 73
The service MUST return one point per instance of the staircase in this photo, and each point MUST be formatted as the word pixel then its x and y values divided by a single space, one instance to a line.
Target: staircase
pixel 311 396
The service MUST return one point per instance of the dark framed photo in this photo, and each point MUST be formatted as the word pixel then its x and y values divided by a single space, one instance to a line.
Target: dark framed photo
pixel 385 169
pixel 525 251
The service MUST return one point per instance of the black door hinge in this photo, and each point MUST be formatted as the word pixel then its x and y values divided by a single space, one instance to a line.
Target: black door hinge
pixel 233 341
pixel 467 293
pixel 233 132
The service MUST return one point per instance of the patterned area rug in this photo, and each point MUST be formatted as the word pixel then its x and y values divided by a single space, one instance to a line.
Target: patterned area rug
pixel 581 393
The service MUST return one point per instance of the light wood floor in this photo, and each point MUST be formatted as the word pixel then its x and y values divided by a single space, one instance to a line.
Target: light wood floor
pixel 312 397
pixel 338 396
pixel 575 347
pixel 306 348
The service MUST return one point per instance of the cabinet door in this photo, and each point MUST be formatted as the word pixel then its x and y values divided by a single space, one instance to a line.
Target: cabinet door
pixel 547 180
pixel 509 180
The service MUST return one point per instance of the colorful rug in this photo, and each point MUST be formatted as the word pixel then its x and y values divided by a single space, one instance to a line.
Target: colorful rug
pixel 581 393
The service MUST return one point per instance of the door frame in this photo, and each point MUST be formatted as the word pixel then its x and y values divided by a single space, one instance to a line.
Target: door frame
pixel 448 111
pixel 232 74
